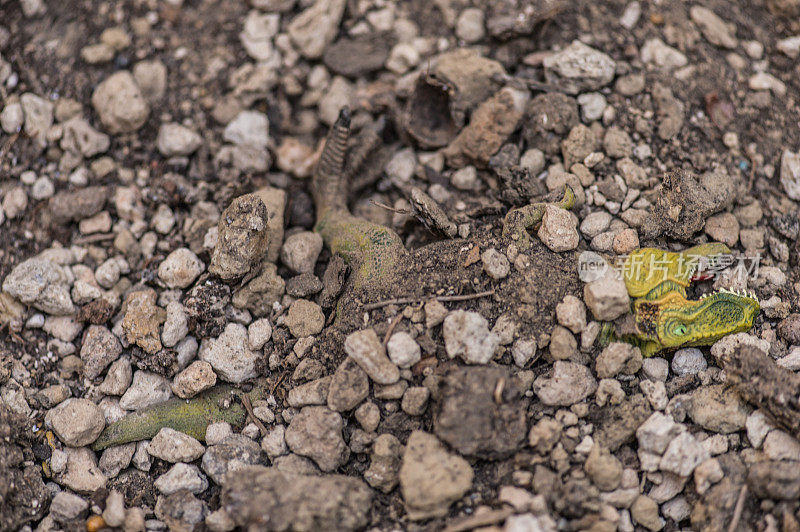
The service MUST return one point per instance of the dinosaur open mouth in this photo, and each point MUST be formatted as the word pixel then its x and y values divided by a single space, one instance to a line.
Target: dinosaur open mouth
pixel 741 293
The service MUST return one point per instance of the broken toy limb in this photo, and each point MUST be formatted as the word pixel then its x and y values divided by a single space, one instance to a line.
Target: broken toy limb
pixel 519 221
pixel 190 416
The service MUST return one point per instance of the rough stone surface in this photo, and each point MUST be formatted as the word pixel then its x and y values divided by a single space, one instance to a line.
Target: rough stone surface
pixel 367 351
pixel 180 268
pixel 431 479
pixel 316 432
pixel 120 104
pixel 173 446
pixel 76 422
pixel 578 68
pixel 261 497
pixel 231 453
pixel 349 386
pixel 305 318
pixel 469 418
pixel 718 409
pixel 42 284
pixel 558 230
pixel 230 354
pixel 147 389
pixel 99 348
pixel 569 383
pixel 466 334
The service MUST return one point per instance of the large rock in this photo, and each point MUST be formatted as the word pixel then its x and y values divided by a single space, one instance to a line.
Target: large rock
pixel 431 479
pixel 466 334
pixel 262 498
pixel 470 419
pixel 718 409
pixel 76 422
pixel 790 174
pixel 569 383
pixel 243 237
pixel 316 432
pixel 120 104
pixel 579 68
pixel 42 284
pixel 316 27
pixel 230 354
pixel 99 349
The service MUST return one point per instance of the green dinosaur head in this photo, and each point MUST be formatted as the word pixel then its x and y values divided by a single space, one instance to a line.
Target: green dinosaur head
pixel 674 321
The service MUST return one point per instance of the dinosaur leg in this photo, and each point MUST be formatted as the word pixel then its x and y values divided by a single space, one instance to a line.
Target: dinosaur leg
pixel 518 221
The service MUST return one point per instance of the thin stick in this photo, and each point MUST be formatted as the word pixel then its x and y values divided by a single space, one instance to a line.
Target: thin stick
pixel 91 239
pixel 442 299
pixel 7 146
pixel 249 407
pixel 392 325
pixel 737 510
pixel 388 208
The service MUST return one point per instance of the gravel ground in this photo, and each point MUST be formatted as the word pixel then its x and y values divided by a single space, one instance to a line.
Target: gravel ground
pixel 157 245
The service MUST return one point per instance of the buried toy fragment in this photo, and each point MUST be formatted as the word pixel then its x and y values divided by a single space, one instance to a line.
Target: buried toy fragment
pixel 222 403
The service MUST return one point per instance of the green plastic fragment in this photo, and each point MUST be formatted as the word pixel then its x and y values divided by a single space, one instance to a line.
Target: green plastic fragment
pixel 190 416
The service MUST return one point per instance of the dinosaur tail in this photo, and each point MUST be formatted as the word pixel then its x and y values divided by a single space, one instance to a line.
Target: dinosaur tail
pixel 328 187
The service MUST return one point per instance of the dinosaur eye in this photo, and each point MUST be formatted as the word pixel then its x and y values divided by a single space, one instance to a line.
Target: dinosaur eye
pixel 680 329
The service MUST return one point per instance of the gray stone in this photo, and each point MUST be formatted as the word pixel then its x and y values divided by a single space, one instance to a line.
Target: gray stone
pixel 146 390
pixel 714 29
pixel 42 284
pixel 76 422
pixel 258 497
pixel 173 446
pixel 198 376
pixel 249 128
pixel 180 268
pixel 120 104
pixel 99 348
pixel 466 334
pixel 367 350
pixel 38 117
pixel 569 383
pixel 403 350
pixel 233 452
pixel 431 478
pixel 316 27
pixel 682 455
pixel 301 250
pixel 607 297
pixel 81 138
pixel 230 354
pixel 688 361
pixel 384 466
pixel 790 173
pixel 67 506
pixel 316 432
pixel 181 477
pixel 118 378
pixel 349 386
pixel 558 230
pixel 578 68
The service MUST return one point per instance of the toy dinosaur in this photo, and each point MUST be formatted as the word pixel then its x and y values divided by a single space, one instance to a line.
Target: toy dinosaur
pixel 381 268
pixel 663 317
